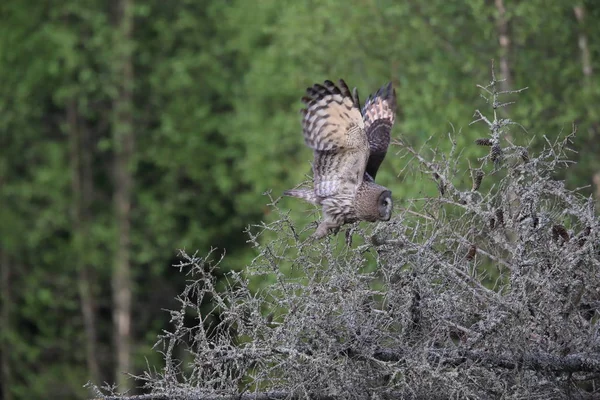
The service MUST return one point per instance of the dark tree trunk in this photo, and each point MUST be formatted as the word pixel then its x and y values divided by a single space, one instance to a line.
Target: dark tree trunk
pixel 504 41
pixel 6 325
pixel 588 72
pixel 123 179
pixel 586 59
pixel 81 187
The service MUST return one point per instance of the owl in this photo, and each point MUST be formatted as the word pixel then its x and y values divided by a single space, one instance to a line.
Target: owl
pixel 349 146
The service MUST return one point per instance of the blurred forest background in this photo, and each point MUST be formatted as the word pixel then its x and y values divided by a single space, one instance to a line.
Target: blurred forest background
pixel 132 128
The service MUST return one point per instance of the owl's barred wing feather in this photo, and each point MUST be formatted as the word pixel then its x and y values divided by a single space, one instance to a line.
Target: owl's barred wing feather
pixel 355 98
pixel 379 116
pixel 334 128
pixel 331 120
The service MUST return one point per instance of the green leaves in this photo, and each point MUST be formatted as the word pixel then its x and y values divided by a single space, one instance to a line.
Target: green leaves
pixel 216 94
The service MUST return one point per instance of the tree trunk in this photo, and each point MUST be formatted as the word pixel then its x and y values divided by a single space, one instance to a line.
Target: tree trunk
pixel 504 40
pixel 586 63
pixel 81 187
pixel 5 324
pixel 586 69
pixel 123 179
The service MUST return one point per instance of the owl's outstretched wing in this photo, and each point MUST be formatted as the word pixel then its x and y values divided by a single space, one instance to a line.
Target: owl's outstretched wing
pixel 334 128
pixel 379 116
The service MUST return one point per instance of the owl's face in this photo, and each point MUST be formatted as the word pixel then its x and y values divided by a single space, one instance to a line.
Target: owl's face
pixel 384 205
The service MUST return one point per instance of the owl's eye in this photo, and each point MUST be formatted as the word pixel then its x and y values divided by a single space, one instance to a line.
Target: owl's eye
pixel 385 207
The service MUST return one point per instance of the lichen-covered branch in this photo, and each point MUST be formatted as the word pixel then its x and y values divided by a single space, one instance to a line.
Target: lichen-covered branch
pixel 489 289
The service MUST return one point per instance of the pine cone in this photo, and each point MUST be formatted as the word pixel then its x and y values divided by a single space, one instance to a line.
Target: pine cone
pixel 483 142
pixel 477 178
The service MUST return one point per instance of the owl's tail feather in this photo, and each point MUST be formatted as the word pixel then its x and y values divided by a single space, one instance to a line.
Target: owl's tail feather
pixel 304 194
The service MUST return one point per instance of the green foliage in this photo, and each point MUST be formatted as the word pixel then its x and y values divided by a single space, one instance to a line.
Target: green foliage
pixel 216 95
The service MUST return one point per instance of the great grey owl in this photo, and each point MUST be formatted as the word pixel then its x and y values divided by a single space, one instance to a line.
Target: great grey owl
pixel 349 146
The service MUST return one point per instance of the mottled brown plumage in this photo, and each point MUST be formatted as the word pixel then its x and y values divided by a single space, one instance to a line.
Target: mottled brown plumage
pixel 349 147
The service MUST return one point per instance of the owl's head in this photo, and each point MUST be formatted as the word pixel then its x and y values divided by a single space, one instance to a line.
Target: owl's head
pixel 384 205
pixel 373 202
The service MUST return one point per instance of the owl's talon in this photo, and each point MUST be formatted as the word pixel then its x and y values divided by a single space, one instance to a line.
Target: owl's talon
pixel 349 233
pixel 323 229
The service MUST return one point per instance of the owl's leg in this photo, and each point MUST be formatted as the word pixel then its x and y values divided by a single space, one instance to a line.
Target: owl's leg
pixel 323 229
pixel 349 232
